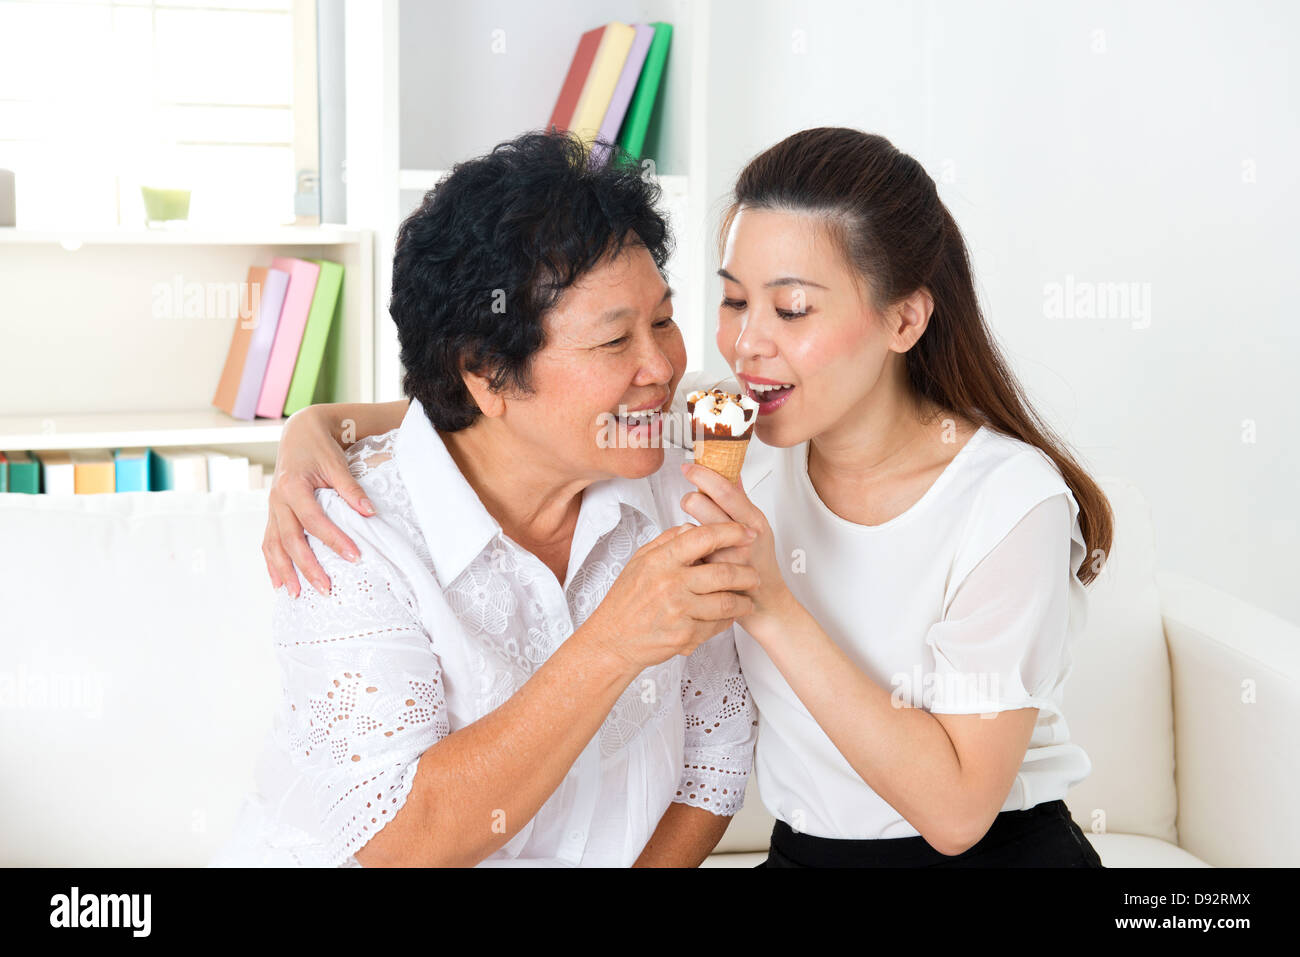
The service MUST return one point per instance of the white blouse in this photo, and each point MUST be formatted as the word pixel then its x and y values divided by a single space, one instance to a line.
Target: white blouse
pixel 966 603
pixel 443 619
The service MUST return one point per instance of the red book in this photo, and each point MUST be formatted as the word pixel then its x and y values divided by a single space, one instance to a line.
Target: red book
pixel 562 116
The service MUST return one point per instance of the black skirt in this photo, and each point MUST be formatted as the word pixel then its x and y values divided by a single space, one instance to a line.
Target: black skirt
pixel 1042 836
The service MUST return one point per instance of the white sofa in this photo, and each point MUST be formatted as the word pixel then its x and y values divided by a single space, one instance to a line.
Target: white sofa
pixel 137 682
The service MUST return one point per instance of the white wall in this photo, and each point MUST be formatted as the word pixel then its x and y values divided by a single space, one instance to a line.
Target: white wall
pixel 1106 142
pixel 1151 143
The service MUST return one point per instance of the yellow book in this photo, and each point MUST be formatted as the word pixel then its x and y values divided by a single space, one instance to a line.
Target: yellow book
pixel 94 472
pixel 606 68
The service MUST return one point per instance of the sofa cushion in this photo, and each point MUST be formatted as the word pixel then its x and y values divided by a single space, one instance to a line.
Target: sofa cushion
pixel 136 638
pixel 1139 850
pixel 1239 667
pixel 1119 696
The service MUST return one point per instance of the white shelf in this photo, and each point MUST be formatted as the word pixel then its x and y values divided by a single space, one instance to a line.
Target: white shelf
pixel 260 236
pixel 117 430
pixel 100 349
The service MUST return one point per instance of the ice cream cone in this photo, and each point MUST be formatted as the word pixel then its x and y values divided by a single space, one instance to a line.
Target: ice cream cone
pixel 722 424
pixel 724 456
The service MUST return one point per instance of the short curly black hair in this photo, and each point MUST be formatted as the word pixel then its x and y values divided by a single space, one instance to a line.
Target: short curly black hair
pixel 493 247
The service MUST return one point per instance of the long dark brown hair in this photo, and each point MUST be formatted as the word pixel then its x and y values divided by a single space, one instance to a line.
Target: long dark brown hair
pixel 884 211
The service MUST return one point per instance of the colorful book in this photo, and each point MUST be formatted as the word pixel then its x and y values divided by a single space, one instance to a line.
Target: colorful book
pixel 288 333
pixel 58 474
pixel 24 473
pixel 215 463
pixel 623 91
pixel 93 472
pixel 302 390
pixel 606 68
pixel 237 473
pixel 227 473
pixel 259 345
pixel 179 470
pixel 562 115
pixel 4 473
pixel 237 356
pixel 131 470
pixel 632 137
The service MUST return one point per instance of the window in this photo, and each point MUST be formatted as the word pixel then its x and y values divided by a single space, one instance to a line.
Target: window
pixel 99 97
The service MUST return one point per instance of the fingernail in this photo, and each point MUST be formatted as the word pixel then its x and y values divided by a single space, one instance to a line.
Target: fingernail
pixel 351 554
pixel 321 587
pixel 367 507
pixel 686 468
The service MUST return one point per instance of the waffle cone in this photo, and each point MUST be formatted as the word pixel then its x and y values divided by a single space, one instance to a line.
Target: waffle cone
pixel 724 456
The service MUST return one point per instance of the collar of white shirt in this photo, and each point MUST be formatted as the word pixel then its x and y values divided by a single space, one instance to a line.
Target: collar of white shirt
pixel 455 525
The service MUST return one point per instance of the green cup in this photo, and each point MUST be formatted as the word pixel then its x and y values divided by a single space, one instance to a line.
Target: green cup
pixel 161 205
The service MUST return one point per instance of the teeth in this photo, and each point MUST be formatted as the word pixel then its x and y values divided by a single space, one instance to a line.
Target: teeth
pixel 760 389
pixel 640 418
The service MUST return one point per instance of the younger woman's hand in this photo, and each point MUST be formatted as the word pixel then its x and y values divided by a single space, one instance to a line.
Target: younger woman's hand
pixel 309 458
pixel 719 501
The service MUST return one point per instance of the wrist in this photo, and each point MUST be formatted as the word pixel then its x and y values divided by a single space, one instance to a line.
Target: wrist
pixel 600 649
pixel 313 419
pixel 775 617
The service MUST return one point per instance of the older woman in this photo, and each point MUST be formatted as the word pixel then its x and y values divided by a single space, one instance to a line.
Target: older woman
pixel 526 660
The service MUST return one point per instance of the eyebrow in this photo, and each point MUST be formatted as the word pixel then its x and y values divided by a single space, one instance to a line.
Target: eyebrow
pixel 620 312
pixel 776 283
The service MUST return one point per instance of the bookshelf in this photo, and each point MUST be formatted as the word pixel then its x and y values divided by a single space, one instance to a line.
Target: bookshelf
pixel 85 363
pixel 116 338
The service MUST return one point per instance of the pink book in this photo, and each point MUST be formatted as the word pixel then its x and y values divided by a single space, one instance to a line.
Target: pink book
pixel 288 334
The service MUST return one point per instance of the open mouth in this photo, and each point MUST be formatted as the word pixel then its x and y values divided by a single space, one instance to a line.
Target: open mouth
pixel 769 397
pixel 642 420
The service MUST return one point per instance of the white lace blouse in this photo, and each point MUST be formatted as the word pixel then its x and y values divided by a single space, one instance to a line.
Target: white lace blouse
pixel 441 620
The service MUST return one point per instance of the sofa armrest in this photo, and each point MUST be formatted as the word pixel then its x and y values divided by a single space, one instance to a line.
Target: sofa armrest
pixel 1236 696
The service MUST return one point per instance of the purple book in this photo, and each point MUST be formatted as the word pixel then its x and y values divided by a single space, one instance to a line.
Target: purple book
pixel 623 90
pixel 259 346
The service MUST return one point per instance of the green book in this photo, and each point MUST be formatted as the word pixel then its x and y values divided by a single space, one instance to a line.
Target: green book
pixel 631 135
pixel 324 304
pixel 24 473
